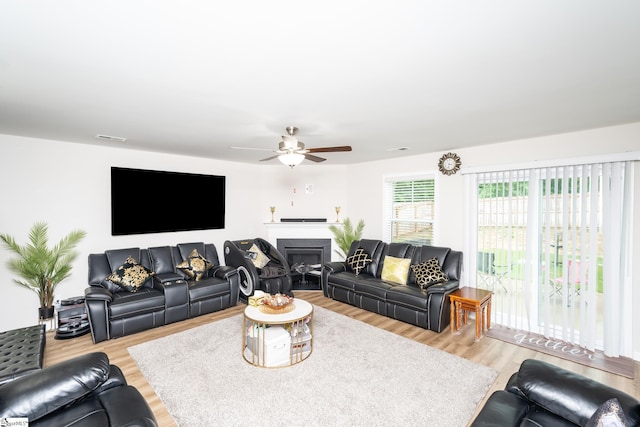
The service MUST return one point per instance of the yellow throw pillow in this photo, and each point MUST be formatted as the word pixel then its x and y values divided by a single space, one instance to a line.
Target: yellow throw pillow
pixel 396 270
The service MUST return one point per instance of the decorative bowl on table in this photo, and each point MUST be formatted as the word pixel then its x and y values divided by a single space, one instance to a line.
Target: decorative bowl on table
pixel 277 301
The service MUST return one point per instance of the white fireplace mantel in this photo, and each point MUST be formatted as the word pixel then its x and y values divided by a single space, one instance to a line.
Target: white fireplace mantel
pixel 302 230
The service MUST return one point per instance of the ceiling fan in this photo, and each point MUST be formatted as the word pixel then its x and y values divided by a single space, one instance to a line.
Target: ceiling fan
pixel 291 151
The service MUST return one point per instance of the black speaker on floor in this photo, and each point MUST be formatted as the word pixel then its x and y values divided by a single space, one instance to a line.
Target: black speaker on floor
pixel 72 319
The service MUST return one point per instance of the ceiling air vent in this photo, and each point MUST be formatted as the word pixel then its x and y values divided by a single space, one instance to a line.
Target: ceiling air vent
pixel 111 138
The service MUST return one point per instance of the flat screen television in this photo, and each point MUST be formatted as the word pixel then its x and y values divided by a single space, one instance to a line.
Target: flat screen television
pixel 150 201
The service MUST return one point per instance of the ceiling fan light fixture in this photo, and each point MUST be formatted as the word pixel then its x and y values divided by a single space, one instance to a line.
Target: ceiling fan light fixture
pixel 291 159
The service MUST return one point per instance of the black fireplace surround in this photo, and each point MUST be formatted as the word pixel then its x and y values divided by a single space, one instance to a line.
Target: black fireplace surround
pixel 308 251
pixel 305 256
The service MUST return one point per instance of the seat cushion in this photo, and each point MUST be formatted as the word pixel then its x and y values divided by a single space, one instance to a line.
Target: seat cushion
pixel 208 288
pixel 408 296
pixel 344 279
pixel 371 287
pixel 127 304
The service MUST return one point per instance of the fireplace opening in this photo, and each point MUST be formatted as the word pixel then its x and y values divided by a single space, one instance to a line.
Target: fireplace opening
pixel 305 258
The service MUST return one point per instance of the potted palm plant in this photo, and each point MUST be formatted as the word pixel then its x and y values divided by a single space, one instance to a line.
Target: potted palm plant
pixel 41 268
pixel 345 235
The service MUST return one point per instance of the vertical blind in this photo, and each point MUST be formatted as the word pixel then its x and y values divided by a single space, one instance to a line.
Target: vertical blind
pixel 560 255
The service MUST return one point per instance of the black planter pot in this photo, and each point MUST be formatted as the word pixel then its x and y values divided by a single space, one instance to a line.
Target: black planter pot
pixel 45 312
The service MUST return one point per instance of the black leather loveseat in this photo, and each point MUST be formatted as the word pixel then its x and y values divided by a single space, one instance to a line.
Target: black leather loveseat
pixel 84 391
pixel 420 300
pixel 170 283
pixel 542 394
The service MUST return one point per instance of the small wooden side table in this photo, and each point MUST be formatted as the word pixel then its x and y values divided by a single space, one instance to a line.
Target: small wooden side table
pixel 468 299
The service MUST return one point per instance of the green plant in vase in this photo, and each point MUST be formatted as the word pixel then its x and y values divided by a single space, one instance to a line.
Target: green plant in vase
pixel 40 267
pixel 345 235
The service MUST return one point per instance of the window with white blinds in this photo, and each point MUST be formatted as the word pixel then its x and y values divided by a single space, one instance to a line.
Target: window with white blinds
pixel 409 209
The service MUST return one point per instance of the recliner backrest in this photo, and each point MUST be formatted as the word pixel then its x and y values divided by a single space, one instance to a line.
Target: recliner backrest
pixel 162 260
pixel 428 252
pixel 206 250
pixel 101 265
pixel 272 252
pixel 452 266
pixel 117 257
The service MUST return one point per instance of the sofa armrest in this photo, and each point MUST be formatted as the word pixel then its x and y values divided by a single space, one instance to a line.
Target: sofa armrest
pixel 162 278
pixel 96 293
pixel 334 267
pixel 43 392
pixel 568 394
pixel 97 300
pixel 231 275
pixel 443 288
pixel 224 271
pixel 327 269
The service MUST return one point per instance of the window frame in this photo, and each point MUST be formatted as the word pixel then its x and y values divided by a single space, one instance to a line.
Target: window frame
pixel 388 204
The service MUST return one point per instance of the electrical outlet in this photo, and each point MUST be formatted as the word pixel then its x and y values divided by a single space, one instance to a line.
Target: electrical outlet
pixel 308 189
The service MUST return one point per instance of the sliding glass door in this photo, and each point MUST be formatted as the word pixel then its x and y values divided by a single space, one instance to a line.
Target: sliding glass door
pixel 551 243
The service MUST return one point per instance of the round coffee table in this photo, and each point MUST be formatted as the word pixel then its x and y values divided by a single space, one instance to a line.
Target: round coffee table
pixel 272 339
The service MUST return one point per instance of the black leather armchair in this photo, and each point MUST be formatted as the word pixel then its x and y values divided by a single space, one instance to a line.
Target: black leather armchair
pixel 274 277
pixel 84 391
pixel 542 394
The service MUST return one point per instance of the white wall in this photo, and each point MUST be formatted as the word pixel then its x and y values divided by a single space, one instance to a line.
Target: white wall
pixel 67 185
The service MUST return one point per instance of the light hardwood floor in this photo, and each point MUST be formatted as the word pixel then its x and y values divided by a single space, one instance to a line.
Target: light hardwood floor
pixel 503 357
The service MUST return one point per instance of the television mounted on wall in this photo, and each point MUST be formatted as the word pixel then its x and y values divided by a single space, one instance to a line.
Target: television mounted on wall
pixel 150 201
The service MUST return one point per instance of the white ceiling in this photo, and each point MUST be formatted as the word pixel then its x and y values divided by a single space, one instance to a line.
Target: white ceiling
pixel 196 77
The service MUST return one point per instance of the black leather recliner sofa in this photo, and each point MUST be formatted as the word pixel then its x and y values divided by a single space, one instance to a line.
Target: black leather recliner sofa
pixel 273 277
pixel 168 296
pixel 83 391
pixel 428 308
pixel 542 394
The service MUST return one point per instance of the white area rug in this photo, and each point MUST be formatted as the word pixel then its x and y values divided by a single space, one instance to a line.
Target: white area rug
pixel 357 375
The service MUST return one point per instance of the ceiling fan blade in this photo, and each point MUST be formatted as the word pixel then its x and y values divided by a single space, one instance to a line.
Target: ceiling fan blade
pixel 330 149
pixel 314 158
pixel 269 158
pixel 250 148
